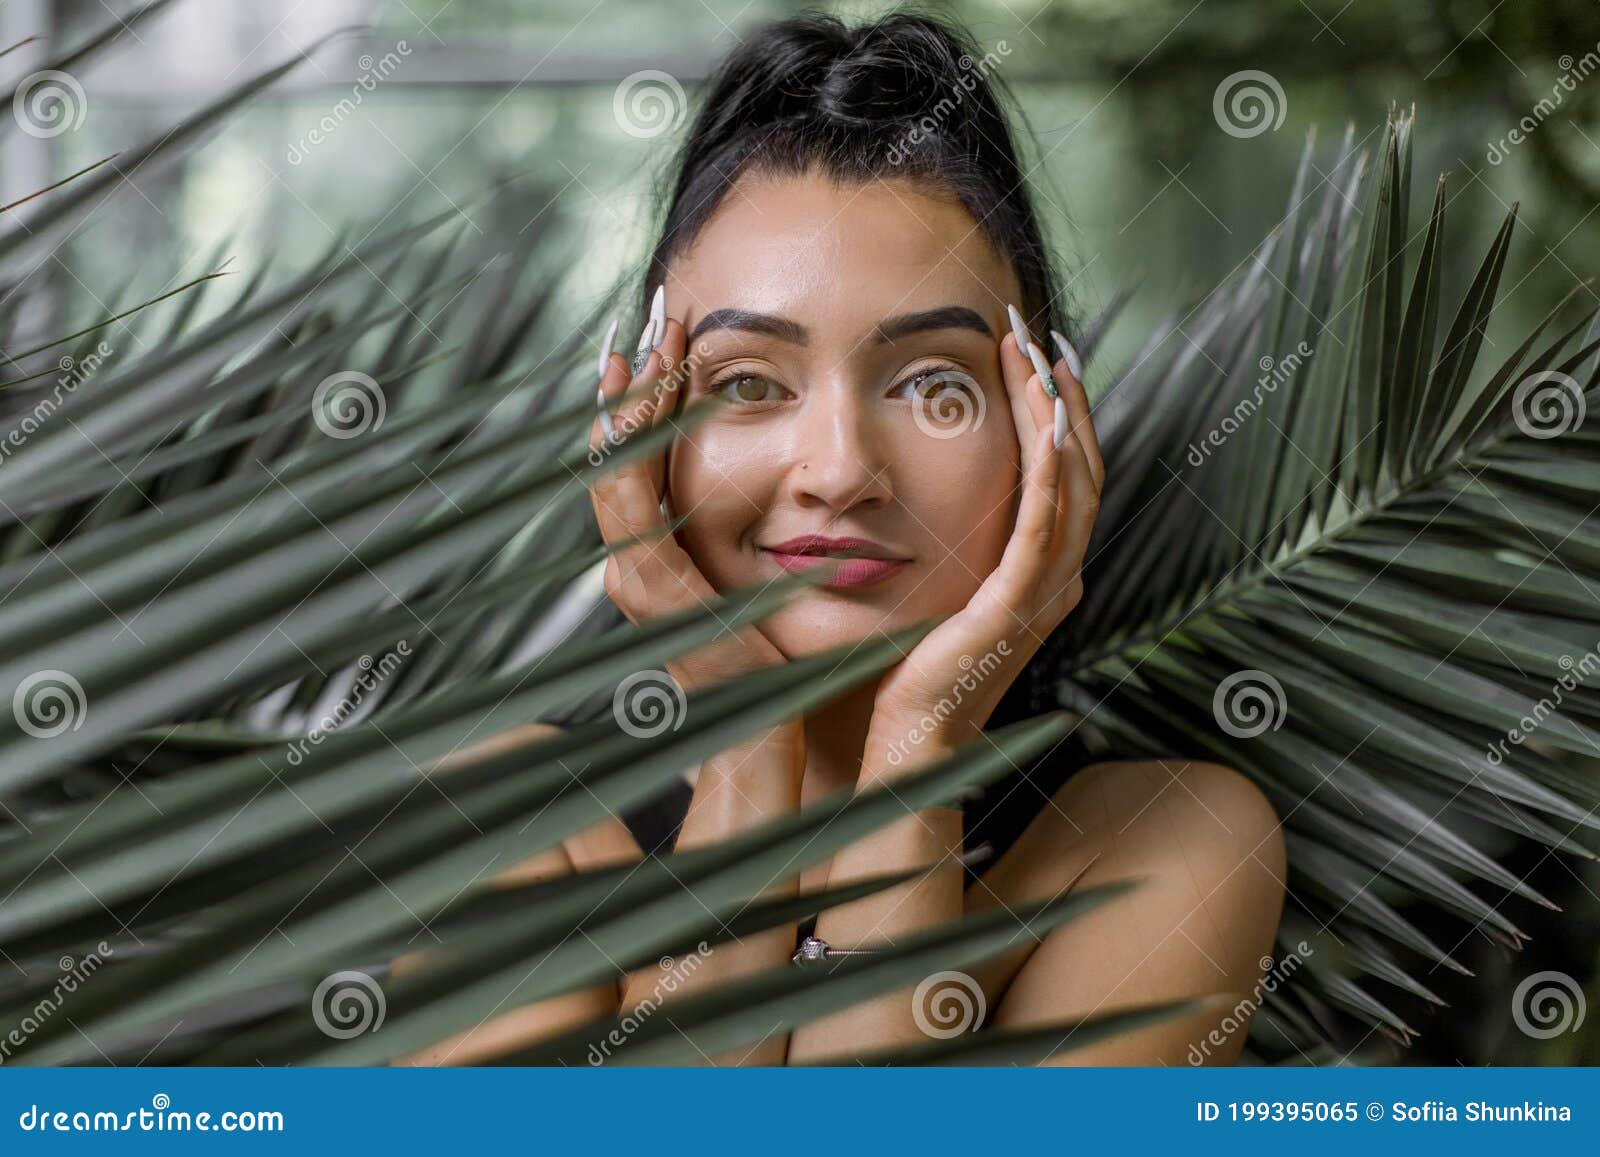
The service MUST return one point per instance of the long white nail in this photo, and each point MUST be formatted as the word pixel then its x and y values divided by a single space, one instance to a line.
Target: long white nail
pixel 1019 330
pixel 647 336
pixel 658 315
pixel 1069 354
pixel 1041 366
pixel 1061 422
pixel 606 427
pixel 655 328
pixel 604 360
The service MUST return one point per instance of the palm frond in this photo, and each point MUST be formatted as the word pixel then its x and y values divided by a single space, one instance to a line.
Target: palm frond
pixel 1387 559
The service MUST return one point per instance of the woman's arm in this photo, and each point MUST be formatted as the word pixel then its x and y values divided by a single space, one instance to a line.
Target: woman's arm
pixel 607 844
pixel 920 839
pixel 736 790
pixel 748 784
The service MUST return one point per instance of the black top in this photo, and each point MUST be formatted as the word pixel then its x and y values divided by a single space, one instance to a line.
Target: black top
pixel 995 817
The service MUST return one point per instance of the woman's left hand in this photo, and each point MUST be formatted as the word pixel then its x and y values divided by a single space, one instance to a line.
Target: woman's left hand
pixel 956 675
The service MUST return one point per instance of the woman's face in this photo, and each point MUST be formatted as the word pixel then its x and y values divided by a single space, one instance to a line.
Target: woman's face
pixel 852 333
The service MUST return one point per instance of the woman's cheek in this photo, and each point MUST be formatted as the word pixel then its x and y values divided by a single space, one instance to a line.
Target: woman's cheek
pixel 718 480
pixel 963 490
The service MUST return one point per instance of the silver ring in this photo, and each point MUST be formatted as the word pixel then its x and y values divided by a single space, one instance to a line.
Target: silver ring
pixel 813 949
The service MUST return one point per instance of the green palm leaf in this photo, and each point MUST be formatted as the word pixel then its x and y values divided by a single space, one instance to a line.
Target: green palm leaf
pixel 1381 544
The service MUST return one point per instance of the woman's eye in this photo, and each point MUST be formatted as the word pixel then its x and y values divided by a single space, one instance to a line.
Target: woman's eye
pixel 749 388
pixel 945 402
pixel 941 387
pixel 936 384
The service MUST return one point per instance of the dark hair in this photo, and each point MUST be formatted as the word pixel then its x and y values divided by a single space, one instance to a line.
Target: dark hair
pixel 906 95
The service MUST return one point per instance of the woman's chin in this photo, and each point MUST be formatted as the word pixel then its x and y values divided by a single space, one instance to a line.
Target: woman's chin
pixel 799 630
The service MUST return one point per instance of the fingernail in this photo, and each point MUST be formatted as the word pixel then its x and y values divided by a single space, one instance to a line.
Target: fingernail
pixel 655 328
pixel 1041 366
pixel 658 315
pixel 606 427
pixel 1061 422
pixel 1069 354
pixel 647 334
pixel 1018 329
pixel 605 348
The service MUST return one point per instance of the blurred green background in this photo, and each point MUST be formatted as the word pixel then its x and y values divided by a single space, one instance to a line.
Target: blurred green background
pixel 1141 185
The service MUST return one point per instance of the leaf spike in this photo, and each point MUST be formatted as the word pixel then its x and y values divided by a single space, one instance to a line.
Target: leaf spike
pixel 20 44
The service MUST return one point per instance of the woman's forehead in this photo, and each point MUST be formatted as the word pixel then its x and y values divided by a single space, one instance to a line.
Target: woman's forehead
pixel 789 244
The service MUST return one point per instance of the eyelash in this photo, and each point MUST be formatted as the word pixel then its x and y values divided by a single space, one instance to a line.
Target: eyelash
pixel 926 372
pixel 719 384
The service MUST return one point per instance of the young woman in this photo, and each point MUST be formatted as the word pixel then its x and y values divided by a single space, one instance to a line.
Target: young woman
pixel 851 266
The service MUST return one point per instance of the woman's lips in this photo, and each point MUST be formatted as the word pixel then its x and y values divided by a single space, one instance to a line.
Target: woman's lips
pixel 850 572
pixel 864 562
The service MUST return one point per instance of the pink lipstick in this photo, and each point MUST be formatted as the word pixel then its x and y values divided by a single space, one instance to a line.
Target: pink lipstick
pixel 858 562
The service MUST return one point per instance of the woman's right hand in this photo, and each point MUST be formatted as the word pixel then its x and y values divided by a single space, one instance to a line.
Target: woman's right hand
pixel 757 778
pixel 657 577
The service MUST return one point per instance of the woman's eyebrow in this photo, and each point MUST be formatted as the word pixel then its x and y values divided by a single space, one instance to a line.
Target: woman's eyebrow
pixel 890 329
pixel 752 322
pixel 945 317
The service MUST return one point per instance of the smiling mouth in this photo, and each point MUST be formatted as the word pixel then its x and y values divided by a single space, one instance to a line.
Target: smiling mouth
pixel 855 562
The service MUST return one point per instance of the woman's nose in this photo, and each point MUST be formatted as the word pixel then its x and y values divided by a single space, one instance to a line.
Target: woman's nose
pixel 840 458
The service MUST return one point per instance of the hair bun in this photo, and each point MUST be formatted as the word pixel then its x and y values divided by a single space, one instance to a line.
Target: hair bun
pixel 870 88
pixel 814 67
